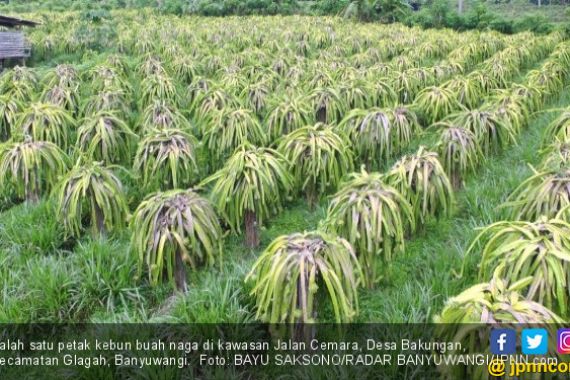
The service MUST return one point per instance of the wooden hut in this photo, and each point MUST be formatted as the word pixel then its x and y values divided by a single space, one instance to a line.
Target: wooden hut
pixel 13 43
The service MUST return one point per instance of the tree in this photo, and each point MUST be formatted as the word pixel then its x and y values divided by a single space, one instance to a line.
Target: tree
pixel 369 10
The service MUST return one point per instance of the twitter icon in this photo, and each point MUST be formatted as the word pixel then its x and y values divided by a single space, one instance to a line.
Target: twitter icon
pixel 534 341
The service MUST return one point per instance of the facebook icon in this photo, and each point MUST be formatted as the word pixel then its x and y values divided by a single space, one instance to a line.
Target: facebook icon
pixel 503 341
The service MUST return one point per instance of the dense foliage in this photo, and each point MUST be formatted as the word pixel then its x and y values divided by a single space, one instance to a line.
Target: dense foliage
pixel 174 228
pixel 424 13
pixel 292 270
pixel 191 129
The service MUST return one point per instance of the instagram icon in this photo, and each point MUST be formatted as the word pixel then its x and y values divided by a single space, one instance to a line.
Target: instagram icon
pixel 563 341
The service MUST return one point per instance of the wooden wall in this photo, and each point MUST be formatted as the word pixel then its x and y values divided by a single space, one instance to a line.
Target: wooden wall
pixel 13 45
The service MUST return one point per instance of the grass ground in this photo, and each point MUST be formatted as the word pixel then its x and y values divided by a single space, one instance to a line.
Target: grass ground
pixel 45 278
pixel 520 8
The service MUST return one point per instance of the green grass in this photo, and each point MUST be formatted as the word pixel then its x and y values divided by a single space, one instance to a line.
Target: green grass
pixel 98 280
pixel 44 278
pixel 517 9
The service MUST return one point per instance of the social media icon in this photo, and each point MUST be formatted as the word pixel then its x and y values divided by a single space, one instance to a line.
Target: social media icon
pixel 534 341
pixel 563 345
pixel 504 341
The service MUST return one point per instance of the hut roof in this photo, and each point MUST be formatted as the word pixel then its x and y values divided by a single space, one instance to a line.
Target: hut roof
pixel 11 22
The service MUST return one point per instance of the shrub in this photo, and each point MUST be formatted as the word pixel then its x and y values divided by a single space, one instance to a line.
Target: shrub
pixel 105 137
pixel 31 167
pixel 173 228
pixel 291 271
pixel 535 23
pixel 167 159
pixel 9 109
pixel 319 158
pixel 228 130
pixel 378 133
pixel 545 193
pixel 493 132
pixel 287 115
pixel 373 217
pixel 434 103
pixel 90 192
pixel 420 177
pixel 46 122
pixel 540 251
pixel 250 187
pixel 467 317
pixel 459 152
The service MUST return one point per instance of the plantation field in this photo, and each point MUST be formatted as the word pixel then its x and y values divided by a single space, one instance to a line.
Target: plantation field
pixel 164 169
